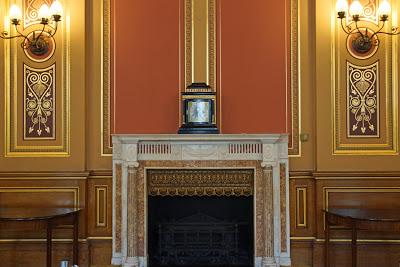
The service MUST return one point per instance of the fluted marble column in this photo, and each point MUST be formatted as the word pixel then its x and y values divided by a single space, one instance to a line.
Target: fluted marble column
pixel 131 259
pixel 269 258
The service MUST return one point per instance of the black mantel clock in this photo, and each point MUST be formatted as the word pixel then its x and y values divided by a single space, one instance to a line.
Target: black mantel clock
pixel 198 110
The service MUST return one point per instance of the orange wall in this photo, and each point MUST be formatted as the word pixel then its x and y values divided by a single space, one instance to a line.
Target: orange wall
pixel 251 70
pixel 146 74
pixel 253 78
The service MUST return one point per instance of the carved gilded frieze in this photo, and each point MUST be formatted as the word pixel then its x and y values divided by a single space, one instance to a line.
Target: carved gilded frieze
pixel 363 100
pixel 39 105
pixel 200 182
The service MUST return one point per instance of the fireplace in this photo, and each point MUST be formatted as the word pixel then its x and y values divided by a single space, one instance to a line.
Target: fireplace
pixel 200 200
pixel 200 231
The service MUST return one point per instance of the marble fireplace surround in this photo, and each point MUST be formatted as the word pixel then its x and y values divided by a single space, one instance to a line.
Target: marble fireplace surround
pixel 266 154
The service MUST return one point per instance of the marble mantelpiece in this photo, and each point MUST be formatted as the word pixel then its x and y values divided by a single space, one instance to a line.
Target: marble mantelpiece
pixel 266 154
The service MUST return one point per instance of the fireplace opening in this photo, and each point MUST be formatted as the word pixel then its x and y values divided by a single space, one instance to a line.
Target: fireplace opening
pixel 202 231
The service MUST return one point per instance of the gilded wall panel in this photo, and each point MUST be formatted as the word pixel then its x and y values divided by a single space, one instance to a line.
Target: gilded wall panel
pixel 37 91
pixel 39 104
pixel 364 92
pixel 363 100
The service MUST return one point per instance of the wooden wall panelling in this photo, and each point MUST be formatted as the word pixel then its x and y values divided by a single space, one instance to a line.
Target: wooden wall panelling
pixel 44 192
pixel 33 254
pixel 23 244
pixel 302 206
pixel 362 192
pixel 359 190
pixel 100 251
pixel 302 253
pixel 99 206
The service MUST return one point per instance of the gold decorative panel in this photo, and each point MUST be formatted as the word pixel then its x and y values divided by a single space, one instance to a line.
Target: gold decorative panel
pixel 178 182
pixel 295 86
pixel 364 92
pixel 39 105
pixel 106 145
pixel 200 44
pixel 363 100
pixel 37 92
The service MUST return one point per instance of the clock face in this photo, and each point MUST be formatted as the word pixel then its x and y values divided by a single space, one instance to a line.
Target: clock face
pixel 198 111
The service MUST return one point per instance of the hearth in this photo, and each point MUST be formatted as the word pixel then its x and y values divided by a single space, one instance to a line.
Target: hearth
pixel 205 200
pixel 200 231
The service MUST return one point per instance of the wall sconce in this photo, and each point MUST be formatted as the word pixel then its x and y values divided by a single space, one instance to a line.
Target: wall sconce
pixel 364 38
pixel 36 41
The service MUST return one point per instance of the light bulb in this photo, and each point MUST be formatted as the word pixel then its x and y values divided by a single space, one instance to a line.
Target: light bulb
pixel 44 12
pixel 384 8
pixel 56 8
pixel 356 8
pixel 342 6
pixel 15 13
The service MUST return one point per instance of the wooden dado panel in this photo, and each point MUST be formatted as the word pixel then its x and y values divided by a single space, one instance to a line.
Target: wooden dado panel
pixel 99 206
pixel 42 191
pixel 23 244
pixel 375 190
pixel 302 202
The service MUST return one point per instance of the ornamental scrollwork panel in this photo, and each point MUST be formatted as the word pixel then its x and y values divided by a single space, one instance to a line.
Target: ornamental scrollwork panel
pixel 369 13
pixel 39 105
pixel 31 8
pixel 363 100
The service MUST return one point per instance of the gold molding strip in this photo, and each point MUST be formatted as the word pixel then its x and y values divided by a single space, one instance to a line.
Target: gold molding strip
pixel 69 240
pixel 313 238
pixel 301 191
pixel 106 146
pixel 359 240
pixel 101 205
pixel 303 238
pixel 295 80
pixel 200 182
pixel 43 178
